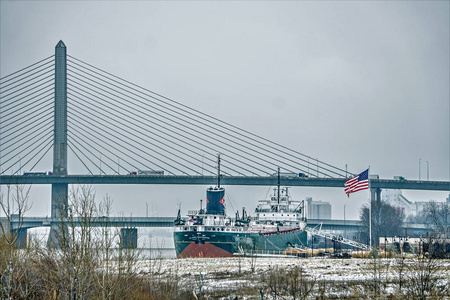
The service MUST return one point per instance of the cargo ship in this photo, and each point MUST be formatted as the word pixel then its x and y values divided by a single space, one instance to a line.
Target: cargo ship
pixel 277 226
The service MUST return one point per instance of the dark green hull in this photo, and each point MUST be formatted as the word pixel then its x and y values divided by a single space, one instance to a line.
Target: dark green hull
pixel 222 243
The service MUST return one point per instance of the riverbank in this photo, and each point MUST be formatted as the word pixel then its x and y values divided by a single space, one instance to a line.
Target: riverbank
pixel 250 277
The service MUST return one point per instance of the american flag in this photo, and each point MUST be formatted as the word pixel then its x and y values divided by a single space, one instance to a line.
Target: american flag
pixel 357 183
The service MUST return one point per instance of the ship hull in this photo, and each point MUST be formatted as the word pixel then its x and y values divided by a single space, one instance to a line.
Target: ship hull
pixel 225 244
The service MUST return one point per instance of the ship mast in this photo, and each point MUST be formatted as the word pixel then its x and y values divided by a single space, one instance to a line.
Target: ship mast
pixel 218 170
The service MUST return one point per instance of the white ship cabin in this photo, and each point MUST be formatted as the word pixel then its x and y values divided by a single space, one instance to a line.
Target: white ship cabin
pixel 200 221
pixel 283 211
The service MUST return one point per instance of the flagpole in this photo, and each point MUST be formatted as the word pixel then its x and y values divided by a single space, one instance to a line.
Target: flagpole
pixel 370 209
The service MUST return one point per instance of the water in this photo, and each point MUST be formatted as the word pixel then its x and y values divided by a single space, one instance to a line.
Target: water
pixel 153 242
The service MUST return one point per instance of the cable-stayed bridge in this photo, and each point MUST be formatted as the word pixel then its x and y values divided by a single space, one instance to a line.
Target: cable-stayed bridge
pixel 115 127
pixel 62 109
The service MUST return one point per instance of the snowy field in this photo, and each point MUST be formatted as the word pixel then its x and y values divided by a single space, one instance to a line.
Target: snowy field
pixel 321 268
pixel 241 273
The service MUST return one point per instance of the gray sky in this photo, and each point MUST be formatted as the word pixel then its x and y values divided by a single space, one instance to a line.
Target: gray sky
pixel 357 83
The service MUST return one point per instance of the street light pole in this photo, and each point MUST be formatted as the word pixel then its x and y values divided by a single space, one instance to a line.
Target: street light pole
pixel 428 171
pixel 146 209
pixel 419 167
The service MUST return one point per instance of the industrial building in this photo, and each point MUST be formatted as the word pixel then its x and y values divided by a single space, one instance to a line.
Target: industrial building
pixel 318 209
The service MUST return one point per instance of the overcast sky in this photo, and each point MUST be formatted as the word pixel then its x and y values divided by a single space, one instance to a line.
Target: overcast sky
pixel 356 83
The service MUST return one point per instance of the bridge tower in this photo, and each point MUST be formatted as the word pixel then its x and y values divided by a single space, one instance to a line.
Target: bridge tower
pixel 60 193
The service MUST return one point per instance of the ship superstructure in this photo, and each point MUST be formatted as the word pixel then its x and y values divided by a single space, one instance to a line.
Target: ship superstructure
pixel 278 224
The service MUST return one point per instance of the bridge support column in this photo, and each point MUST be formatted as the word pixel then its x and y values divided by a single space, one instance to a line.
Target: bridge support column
pixel 375 194
pixel 128 238
pixel 21 242
pixel 60 191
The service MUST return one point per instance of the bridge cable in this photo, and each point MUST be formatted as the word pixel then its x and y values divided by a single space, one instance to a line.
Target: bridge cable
pixel 172 121
pixel 127 131
pixel 49 142
pixel 133 117
pixel 4 77
pixel 43 141
pixel 42 157
pixel 21 110
pixel 30 119
pixel 96 142
pixel 222 122
pixel 159 114
pixel 100 158
pixel 18 118
pixel 19 106
pixel 181 114
pixel 21 145
pixel 25 141
pixel 16 102
pixel 34 130
pixel 73 151
pixel 121 123
pixel 74 132
pixel 24 126
pixel 26 91
pixel 2 91
pixel 153 102
pixel 130 150
pixel 73 143
pixel 154 107
pixel 180 134
pixel 137 125
pixel 13 115
pixel 139 142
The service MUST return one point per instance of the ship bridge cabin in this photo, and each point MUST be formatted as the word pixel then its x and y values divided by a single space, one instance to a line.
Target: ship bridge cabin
pixel 280 208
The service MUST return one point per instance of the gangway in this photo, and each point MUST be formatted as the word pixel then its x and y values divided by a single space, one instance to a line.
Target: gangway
pixel 340 239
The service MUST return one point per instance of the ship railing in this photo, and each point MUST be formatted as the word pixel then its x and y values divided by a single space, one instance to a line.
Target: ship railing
pixel 253 252
pixel 340 239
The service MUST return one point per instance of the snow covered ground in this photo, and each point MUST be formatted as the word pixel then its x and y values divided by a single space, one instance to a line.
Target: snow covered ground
pixel 235 273
pixel 323 268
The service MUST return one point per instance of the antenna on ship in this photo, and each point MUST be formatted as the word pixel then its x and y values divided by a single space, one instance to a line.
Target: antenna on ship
pixel 218 170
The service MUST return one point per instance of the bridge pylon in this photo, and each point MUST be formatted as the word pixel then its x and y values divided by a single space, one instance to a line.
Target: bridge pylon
pixel 60 191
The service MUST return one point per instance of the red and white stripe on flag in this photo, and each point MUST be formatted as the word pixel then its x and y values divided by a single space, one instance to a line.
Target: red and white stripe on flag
pixel 357 183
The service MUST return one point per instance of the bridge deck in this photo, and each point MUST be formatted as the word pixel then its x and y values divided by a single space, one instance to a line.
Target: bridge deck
pixel 327 224
pixel 226 180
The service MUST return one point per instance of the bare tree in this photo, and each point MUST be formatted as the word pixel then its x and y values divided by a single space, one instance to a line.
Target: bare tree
pixel 386 220
pixel 438 216
pixel 90 262
pixel 424 281
pixel 293 282
pixel 14 204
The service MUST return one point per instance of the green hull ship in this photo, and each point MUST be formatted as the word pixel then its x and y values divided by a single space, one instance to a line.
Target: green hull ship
pixel 277 228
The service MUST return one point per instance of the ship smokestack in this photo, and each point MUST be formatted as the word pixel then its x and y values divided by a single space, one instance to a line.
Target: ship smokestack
pixel 215 201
